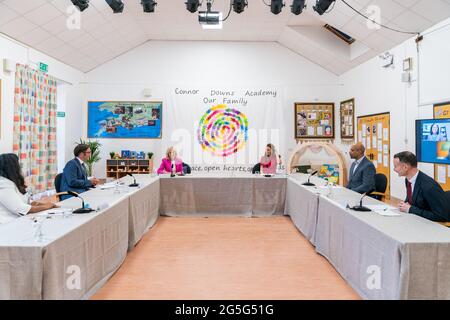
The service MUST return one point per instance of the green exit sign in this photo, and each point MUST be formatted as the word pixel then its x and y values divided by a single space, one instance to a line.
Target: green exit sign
pixel 43 67
pixel 61 114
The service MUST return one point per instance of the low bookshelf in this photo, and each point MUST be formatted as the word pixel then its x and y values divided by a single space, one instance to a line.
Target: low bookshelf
pixel 119 168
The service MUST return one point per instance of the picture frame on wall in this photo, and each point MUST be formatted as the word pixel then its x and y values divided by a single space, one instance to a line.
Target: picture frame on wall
pixel 124 119
pixel 347 119
pixel 0 108
pixel 314 120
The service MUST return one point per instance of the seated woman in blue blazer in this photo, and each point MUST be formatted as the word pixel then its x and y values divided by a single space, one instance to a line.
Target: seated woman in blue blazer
pixel 13 199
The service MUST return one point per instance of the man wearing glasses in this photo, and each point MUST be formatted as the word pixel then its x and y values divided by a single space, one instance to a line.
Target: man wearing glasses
pixel 75 177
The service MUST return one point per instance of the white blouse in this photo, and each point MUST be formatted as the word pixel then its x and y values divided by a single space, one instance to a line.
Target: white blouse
pixel 13 204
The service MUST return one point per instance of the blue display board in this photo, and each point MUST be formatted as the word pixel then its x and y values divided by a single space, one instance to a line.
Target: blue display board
pixel 124 120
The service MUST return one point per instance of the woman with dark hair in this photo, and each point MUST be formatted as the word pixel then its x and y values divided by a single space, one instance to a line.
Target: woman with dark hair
pixel 13 200
pixel 434 133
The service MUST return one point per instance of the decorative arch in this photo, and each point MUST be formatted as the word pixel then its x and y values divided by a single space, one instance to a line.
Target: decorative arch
pixel 316 147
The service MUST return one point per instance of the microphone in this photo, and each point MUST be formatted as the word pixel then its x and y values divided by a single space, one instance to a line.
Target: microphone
pixel 82 209
pixel 309 183
pixel 361 208
pixel 134 184
pixel 172 173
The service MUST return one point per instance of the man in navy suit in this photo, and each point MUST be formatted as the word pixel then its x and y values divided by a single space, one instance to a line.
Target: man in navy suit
pixel 362 171
pixel 424 196
pixel 75 176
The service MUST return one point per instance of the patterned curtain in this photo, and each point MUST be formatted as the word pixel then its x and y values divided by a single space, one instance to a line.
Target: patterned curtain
pixel 35 127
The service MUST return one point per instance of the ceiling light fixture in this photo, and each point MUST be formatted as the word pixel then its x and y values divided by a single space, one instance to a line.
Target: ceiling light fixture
pixel 322 6
pixel 149 5
pixel 298 6
pixel 116 5
pixel 192 5
pixel 81 4
pixel 276 6
pixel 239 5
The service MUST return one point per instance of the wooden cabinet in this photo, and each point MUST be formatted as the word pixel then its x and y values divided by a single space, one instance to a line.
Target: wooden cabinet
pixel 119 168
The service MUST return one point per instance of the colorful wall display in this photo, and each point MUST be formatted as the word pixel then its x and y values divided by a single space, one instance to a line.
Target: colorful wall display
pixel 122 119
pixel 223 131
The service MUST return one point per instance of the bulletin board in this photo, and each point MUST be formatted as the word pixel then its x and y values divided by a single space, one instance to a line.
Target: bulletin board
pixel 314 121
pixel 347 115
pixel 0 108
pixel 374 134
pixel 442 111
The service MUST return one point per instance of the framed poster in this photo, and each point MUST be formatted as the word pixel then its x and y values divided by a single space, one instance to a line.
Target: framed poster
pixel 0 108
pixel 347 115
pixel 374 134
pixel 314 120
pixel 124 120
pixel 441 171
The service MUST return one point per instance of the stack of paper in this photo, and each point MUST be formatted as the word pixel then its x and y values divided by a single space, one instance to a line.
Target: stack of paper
pixel 385 210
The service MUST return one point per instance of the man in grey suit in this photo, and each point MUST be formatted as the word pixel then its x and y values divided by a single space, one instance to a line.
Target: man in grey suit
pixel 362 171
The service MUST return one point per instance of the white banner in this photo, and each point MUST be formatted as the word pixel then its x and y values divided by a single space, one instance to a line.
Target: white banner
pixel 222 129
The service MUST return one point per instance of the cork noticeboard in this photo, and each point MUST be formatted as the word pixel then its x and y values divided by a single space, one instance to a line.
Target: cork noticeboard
pixel 442 111
pixel 347 119
pixel 374 134
pixel 314 121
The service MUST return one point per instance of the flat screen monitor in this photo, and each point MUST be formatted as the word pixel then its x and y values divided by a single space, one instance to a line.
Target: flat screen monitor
pixel 433 141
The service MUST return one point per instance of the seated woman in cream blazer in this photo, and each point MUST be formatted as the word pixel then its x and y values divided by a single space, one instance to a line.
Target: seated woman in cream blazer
pixel 13 200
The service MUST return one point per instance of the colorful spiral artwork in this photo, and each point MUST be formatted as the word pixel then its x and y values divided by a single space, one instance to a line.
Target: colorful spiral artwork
pixel 223 131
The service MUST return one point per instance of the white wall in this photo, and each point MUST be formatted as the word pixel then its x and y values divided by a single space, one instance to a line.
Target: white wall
pixel 378 90
pixel 435 64
pixel 162 64
pixel 19 53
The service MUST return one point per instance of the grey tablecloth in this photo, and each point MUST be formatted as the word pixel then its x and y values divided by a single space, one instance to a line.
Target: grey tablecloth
pixel 92 246
pixel 408 256
pixel 404 257
pixel 301 206
pixel 210 195
pixel 144 209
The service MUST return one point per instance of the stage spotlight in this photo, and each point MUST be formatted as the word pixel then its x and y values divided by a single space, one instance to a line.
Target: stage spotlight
pixel 276 6
pixel 298 6
pixel 322 6
pixel 81 4
pixel 149 5
pixel 239 5
pixel 192 5
pixel 116 5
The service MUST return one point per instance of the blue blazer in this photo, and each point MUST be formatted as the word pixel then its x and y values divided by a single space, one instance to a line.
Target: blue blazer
pixel 74 178
pixel 363 179
pixel 429 200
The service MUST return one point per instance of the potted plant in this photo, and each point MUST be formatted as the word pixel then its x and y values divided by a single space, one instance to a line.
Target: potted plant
pixel 112 154
pixel 95 154
pixel 150 155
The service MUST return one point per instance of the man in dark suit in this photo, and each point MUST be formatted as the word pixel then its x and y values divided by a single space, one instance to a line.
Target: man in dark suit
pixel 362 171
pixel 424 196
pixel 75 177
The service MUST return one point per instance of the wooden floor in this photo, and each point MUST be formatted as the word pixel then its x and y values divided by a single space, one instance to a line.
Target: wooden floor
pixel 225 258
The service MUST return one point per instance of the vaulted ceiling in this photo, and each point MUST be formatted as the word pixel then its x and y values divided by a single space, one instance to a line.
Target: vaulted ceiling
pixel 103 35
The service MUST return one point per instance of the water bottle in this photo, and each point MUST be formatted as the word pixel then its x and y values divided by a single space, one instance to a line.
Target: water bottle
pixel 29 196
pixel 38 235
